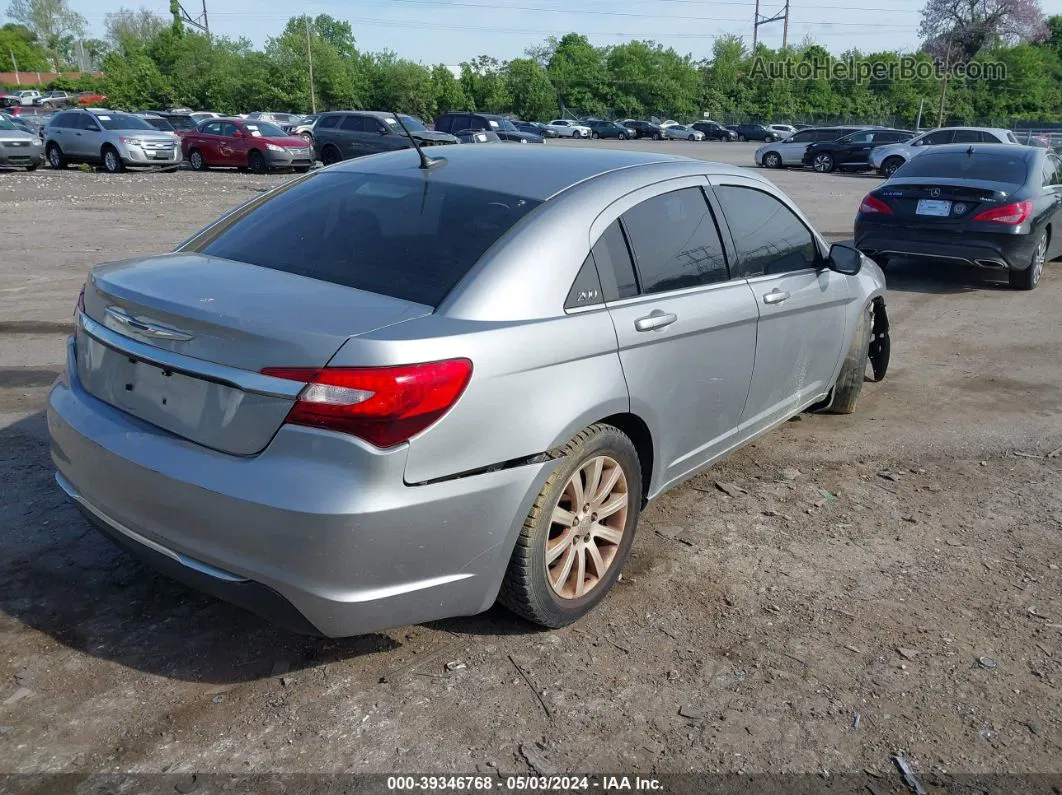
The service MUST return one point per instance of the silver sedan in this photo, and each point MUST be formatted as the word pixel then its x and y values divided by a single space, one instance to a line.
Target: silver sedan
pixel 19 148
pixel 399 389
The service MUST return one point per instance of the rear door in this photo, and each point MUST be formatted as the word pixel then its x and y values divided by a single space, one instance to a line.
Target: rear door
pixel 792 151
pixel 1052 182
pixel 351 135
pixel 686 332
pixel 801 303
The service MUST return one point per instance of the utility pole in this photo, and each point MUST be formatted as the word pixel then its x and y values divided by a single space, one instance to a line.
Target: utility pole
pixel 14 63
pixel 200 22
pixel 206 22
pixel 309 56
pixel 762 20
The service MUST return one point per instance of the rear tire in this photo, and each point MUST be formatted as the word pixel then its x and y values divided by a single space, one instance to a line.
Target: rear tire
pixel 551 594
pixel 594 135
pixel 657 136
pixel 256 162
pixel 849 383
pixel 1030 277
pixel 742 138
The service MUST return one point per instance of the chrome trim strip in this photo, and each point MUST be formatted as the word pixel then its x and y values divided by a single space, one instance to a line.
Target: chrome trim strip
pixel 184 560
pixel 230 376
pixel 120 316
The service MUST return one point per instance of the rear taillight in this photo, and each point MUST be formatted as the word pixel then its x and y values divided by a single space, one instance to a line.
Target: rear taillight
pixel 872 204
pixel 1010 214
pixel 382 405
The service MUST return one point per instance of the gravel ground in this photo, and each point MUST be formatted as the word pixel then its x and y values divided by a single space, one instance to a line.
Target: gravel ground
pixel 887 581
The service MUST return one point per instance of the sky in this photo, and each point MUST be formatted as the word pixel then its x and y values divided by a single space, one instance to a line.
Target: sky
pixel 452 31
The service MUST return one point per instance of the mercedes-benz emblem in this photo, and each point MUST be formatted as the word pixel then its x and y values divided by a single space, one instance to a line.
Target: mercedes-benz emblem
pixel 935 192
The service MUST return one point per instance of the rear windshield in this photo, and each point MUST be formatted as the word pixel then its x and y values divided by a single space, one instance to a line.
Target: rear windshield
pixel 409 238
pixel 181 122
pixel 959 165
pixel 160 124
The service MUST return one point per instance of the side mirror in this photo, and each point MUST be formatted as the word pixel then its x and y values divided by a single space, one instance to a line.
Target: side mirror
pixel 844 259
pixel 384 131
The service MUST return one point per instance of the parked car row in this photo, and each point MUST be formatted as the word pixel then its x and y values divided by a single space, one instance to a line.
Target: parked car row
pixel 826 149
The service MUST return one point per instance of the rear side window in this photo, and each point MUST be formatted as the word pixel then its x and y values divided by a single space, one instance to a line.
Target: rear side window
pixel 939 137
pixel 675 242
pixel 353 124
pixel 326 122
pixel 969 137
pixel 1010 169
pixel 1011 138
pixel 1048 176
pixel 768 236
pixel 443 124
pixel 614 265
pixel 412 239
pixel 181 122
pixel 804 137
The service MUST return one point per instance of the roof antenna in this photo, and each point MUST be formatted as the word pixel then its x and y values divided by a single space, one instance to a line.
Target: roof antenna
pixel 425 161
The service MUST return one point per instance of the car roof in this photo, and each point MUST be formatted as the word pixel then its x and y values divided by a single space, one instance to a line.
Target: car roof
pixel 532 172
pixel 1027 152
pixel 998 130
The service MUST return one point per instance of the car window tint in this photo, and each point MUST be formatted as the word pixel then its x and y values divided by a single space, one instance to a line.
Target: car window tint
pixel 939 137
pixel 87 123
pixel 326 122
pixel 353 124
pixel 1057 163
pixel 614 264
pixel 406 237
pixel 1010 169
pixel 860 138
pixel 1047 173
pixel 675 242
pixel 802 137
pixel 967 137
pixel 228 129
pixel 214 128
pixel 768 236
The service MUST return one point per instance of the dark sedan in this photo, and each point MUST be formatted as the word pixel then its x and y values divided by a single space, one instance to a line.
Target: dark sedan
pixel 646 129
pixel 852 152
pixel 754 132
pixel 534 128
pixel 609 129
pixel 714 131
pixel 989 205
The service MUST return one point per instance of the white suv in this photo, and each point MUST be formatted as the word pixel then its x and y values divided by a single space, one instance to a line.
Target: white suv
pixel 886 159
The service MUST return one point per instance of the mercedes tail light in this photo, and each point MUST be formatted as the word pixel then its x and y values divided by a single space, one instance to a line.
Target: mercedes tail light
pixel 1009 214
pixel 872 204
pixel 382 405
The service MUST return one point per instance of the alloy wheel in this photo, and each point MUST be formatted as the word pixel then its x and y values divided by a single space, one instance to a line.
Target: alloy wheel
pixel 823 163
pixel 1039 258
pixel 587 527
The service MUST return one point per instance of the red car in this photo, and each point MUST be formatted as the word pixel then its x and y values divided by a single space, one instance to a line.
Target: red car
pixel 90 99
pixel 245 143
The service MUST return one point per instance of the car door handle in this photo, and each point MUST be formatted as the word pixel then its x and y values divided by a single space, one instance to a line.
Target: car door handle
pixel 655 320
pixel 775 296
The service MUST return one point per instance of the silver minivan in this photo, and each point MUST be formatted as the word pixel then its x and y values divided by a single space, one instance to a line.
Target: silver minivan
pixel 112 139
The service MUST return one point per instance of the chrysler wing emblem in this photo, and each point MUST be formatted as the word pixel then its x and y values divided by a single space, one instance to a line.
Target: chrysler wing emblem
pixel 126 322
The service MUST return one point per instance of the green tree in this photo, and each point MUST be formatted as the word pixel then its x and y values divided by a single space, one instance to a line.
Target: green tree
pixel 483 82
pixel 127 29
pixel 446 91
pixel 54 23
pixel 400 85
pixel 577 70
pixel 21 42
pixel 532 94
pixel 134 81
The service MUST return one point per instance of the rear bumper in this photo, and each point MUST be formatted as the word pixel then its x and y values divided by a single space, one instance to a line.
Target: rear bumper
pixel 318 533
pixel 983 250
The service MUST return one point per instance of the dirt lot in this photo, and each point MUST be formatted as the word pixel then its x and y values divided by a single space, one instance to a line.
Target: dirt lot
pixel 832 615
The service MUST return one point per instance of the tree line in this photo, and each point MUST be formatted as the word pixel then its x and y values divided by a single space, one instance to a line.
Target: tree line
pixel 150 62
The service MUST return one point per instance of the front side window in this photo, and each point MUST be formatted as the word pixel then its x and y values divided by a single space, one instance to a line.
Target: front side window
pixel 675 242
pixel 768 236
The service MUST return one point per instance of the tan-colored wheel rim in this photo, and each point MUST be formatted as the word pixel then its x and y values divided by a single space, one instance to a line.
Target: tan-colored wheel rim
pixel 586 527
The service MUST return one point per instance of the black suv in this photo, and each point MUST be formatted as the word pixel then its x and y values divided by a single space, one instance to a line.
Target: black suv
pixel 755 132
pixel 535 128
pixel 457 123
pixel 714 131
pixel 851 153
pixel 345 134
pixel 646 129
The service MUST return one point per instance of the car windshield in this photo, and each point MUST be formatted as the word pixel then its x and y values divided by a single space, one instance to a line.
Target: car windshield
pixel 1010 169
pixel 412 124
pixel 6 125
pixel 160 124
pixel 409 238
pixel 122 121
pixel 263 129
pixel 505 124
pixel 182 122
